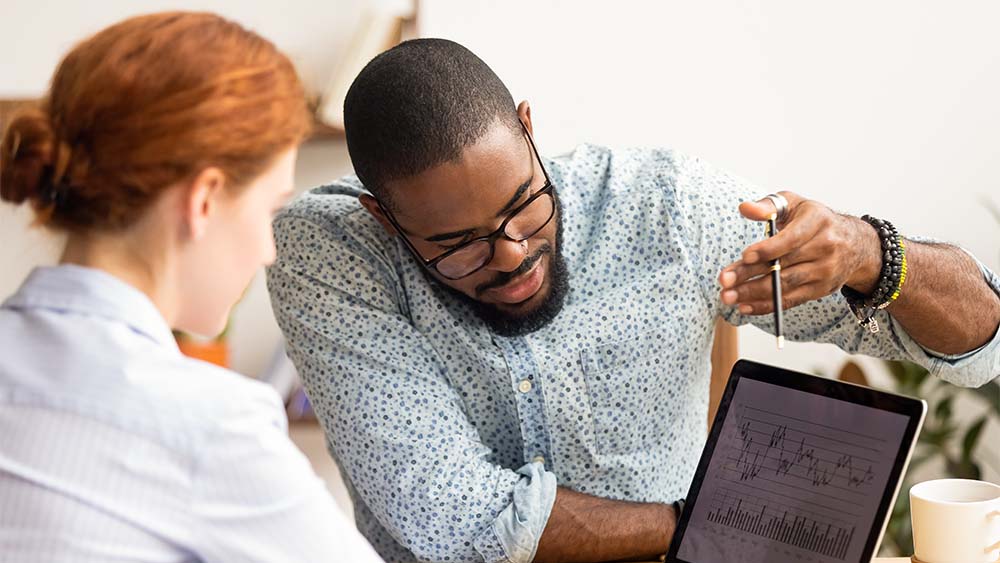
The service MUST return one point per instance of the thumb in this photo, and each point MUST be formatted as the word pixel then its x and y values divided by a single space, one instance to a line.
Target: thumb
pixel 762 209
pixel 759 210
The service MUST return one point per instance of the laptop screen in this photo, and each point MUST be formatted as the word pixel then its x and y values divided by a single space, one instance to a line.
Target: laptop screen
pixel 795 474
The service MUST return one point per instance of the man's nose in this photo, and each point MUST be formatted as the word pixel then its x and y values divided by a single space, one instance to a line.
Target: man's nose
pixel 508 255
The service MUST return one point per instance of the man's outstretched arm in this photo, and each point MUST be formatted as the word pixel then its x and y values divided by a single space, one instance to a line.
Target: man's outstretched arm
pixel 946 305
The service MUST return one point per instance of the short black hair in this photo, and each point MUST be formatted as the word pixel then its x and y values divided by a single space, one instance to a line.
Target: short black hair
pixel 419 105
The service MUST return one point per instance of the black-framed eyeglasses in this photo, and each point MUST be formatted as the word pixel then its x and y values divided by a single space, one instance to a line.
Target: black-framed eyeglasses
pixel 520 224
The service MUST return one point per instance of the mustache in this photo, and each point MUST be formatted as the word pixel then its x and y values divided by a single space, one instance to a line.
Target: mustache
pixel 505 277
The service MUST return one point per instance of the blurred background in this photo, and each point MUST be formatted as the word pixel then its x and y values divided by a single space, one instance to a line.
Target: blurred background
pixel 887 108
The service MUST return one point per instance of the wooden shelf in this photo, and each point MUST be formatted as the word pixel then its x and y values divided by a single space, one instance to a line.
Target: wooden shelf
pixel 8 107
pixel 323 132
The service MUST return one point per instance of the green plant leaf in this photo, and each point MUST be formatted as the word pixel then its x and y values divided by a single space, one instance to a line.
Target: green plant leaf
pixel 971 437
pixel 899 373
pixel 943 409
pixel 964 469
pixel 895 369
pixel 899 529
pixel 938 435
pixel 918 373
pixel 909 376
pixel 918 460
pixel 991 394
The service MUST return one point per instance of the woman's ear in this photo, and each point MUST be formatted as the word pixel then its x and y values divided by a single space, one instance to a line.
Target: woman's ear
pixel 524 113
pixel 372 206
pixel 202 200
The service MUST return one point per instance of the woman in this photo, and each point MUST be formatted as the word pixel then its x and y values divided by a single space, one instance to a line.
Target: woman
pixel 165 145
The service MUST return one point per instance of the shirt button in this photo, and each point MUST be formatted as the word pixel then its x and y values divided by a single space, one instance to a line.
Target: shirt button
pixel 524 386
pixel 539 459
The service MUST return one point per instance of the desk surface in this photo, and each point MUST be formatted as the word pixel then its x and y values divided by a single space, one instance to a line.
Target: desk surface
pixel 891 560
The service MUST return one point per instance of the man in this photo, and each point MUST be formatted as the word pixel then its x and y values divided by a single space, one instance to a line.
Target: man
pixel 510 354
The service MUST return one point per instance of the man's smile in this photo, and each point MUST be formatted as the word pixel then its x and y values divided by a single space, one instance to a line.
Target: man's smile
pixel 521 288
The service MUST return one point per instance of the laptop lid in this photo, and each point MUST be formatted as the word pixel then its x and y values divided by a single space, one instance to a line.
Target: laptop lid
pixel 796 468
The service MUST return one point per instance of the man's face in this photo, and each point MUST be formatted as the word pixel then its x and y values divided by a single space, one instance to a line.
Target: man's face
pixel 522 287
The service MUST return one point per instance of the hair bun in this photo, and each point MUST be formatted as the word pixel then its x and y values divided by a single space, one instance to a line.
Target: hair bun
pixel 25 154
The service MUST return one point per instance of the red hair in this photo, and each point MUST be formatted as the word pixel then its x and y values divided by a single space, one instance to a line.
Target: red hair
pixel 144 104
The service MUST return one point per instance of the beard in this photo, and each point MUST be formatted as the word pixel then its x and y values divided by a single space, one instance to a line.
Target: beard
pixel 505 323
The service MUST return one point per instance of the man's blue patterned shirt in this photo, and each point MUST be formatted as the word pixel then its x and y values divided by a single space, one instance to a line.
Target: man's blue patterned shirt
pixel 452 440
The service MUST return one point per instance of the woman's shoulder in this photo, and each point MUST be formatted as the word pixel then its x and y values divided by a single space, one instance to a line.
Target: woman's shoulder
pixel 209 395
pixel 107 373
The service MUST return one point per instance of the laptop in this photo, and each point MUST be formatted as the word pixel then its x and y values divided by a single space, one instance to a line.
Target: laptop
pixel 797 468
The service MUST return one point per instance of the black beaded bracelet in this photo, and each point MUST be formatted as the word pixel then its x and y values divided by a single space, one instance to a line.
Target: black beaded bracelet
pixel 678 506
pixel 891 277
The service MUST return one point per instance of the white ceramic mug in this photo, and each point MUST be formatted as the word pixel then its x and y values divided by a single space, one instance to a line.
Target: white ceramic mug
pixel 955 521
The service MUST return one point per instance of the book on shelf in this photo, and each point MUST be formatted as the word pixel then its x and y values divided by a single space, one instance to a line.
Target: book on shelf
pixel 379 29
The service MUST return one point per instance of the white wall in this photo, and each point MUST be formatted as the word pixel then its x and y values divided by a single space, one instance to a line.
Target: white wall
pixel 35 34
pixel 888 108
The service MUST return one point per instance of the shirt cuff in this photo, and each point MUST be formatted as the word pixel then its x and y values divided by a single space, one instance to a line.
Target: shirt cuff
pixel 513 536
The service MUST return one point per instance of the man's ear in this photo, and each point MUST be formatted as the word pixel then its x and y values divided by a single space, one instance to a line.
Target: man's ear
pixel 372 206
pixel 202 199
pixel 524 112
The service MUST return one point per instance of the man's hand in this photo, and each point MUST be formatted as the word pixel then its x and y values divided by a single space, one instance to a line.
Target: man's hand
pixel 946 305
pixel 819 250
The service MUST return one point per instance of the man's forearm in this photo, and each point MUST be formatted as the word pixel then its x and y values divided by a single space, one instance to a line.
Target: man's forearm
pixel 583 528
pixel 945 304
pixel 949 307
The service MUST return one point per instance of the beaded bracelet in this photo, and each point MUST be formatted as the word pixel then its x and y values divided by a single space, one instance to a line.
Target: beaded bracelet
pixel 678 510
pixel 892 276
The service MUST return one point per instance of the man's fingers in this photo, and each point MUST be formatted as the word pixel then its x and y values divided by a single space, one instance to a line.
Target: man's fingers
pixel 793 298
pixel 759 289
pixel 757 210
pixel 761 209
pixel 804 245
pixel 739 272
pixel 799 230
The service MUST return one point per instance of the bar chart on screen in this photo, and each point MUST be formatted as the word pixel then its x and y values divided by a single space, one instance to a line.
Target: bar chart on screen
pixel 812 531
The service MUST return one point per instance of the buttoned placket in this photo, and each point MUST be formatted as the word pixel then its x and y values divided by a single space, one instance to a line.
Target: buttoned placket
pixel 528 397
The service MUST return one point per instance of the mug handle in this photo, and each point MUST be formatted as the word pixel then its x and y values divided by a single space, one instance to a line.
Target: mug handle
pixel 994 514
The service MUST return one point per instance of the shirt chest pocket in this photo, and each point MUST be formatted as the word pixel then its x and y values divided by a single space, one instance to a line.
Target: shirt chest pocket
pixel 630 389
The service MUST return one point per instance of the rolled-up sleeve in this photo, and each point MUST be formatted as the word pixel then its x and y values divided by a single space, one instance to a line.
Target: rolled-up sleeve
pixel 394 423
pixel 515 532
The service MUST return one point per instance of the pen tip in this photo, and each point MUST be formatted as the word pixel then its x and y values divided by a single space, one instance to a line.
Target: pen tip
pixel 781 342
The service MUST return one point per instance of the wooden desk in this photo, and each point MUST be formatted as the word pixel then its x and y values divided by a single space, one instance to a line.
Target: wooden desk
pixel 888 560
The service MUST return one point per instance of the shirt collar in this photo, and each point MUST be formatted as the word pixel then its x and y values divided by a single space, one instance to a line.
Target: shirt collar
pixel 88 291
